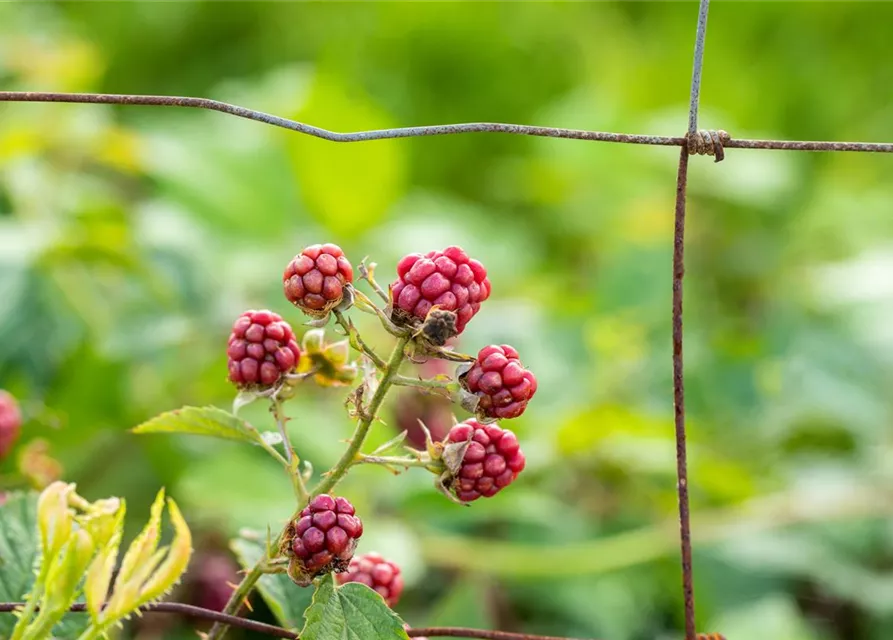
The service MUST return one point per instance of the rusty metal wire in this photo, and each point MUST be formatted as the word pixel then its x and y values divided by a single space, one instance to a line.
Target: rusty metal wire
pixel 433 130
pixel 186 610
pixel 697 142
pixel 279 632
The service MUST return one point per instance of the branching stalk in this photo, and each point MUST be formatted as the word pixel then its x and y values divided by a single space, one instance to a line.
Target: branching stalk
pixel 357 342
pixel 395 461
pixel 421 383
pixel 276 410
pixel 330 479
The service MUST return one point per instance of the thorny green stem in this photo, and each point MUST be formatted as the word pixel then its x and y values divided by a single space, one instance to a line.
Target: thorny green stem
pixel 397 461
pixel 42 626
pixel 357 342
pixel 330 480
pixel 291 469
pixel 368 416
pixel 433 383
pixel 96 632
pixel 290 465
pixel 31 606
pixel 363 303
pixel 276 410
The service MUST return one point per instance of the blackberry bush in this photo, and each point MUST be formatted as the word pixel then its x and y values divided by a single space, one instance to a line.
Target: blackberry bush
pixel 430 302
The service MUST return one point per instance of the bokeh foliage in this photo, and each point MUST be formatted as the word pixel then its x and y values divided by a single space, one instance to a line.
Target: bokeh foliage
pixel 130 238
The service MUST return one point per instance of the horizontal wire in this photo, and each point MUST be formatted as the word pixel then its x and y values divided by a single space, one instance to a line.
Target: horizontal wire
pixel 188 610
pixel 325 134
pixel 279 632
pixel 433 130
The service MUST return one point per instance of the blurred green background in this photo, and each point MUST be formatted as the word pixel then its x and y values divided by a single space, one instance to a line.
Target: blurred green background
pixel 131 238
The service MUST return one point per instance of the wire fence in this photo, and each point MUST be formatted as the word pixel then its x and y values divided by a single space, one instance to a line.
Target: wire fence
pixel 694 142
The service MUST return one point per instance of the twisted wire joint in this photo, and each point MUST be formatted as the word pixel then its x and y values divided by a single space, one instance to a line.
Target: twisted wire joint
pixel 708 142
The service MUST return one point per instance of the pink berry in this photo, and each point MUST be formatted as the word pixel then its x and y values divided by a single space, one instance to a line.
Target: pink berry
pixel 501 383
pixel 314 280
pixel 10 422
pixel 325 535
pixel 262 348
pixel 447 279
pixel 492 460
pixel 377 573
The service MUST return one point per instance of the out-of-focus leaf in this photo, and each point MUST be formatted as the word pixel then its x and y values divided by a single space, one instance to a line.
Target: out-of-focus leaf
pixel 465 604
pixel 227 499
pixel 775 616
pixel 348 188
pixel 18 552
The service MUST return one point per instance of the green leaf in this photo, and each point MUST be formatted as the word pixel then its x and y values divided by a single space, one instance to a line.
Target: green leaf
pixel 351 612
pixel 18 552
pixel 286 600
pixel 201 421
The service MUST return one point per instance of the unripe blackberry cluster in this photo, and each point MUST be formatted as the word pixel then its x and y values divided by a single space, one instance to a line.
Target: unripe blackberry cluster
pixel 491 460
pixel 501 383
pixel 325 536
pixel 376 573
pixel 447 279
pixel 262 349
pixel 314 280
pixel 10 422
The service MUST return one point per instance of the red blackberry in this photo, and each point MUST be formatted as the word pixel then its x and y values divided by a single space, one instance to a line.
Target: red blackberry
pixel 491 461
pixel 501 383
pixel 314 280
pixel 376 573
pixel 325 536
pixel 262 349
pixel 447 279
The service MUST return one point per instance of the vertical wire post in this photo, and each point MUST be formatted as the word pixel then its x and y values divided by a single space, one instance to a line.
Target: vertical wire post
pixel 697 67
pixel 678 371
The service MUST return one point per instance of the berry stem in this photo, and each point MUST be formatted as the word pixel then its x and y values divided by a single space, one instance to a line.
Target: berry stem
pixel 366 273
pixel 357 342
pixel 276 410
pixel 363 303
pixel 396 461
pixel 359 437
pixel 421 383
pixel 30 608
pixel 329 480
